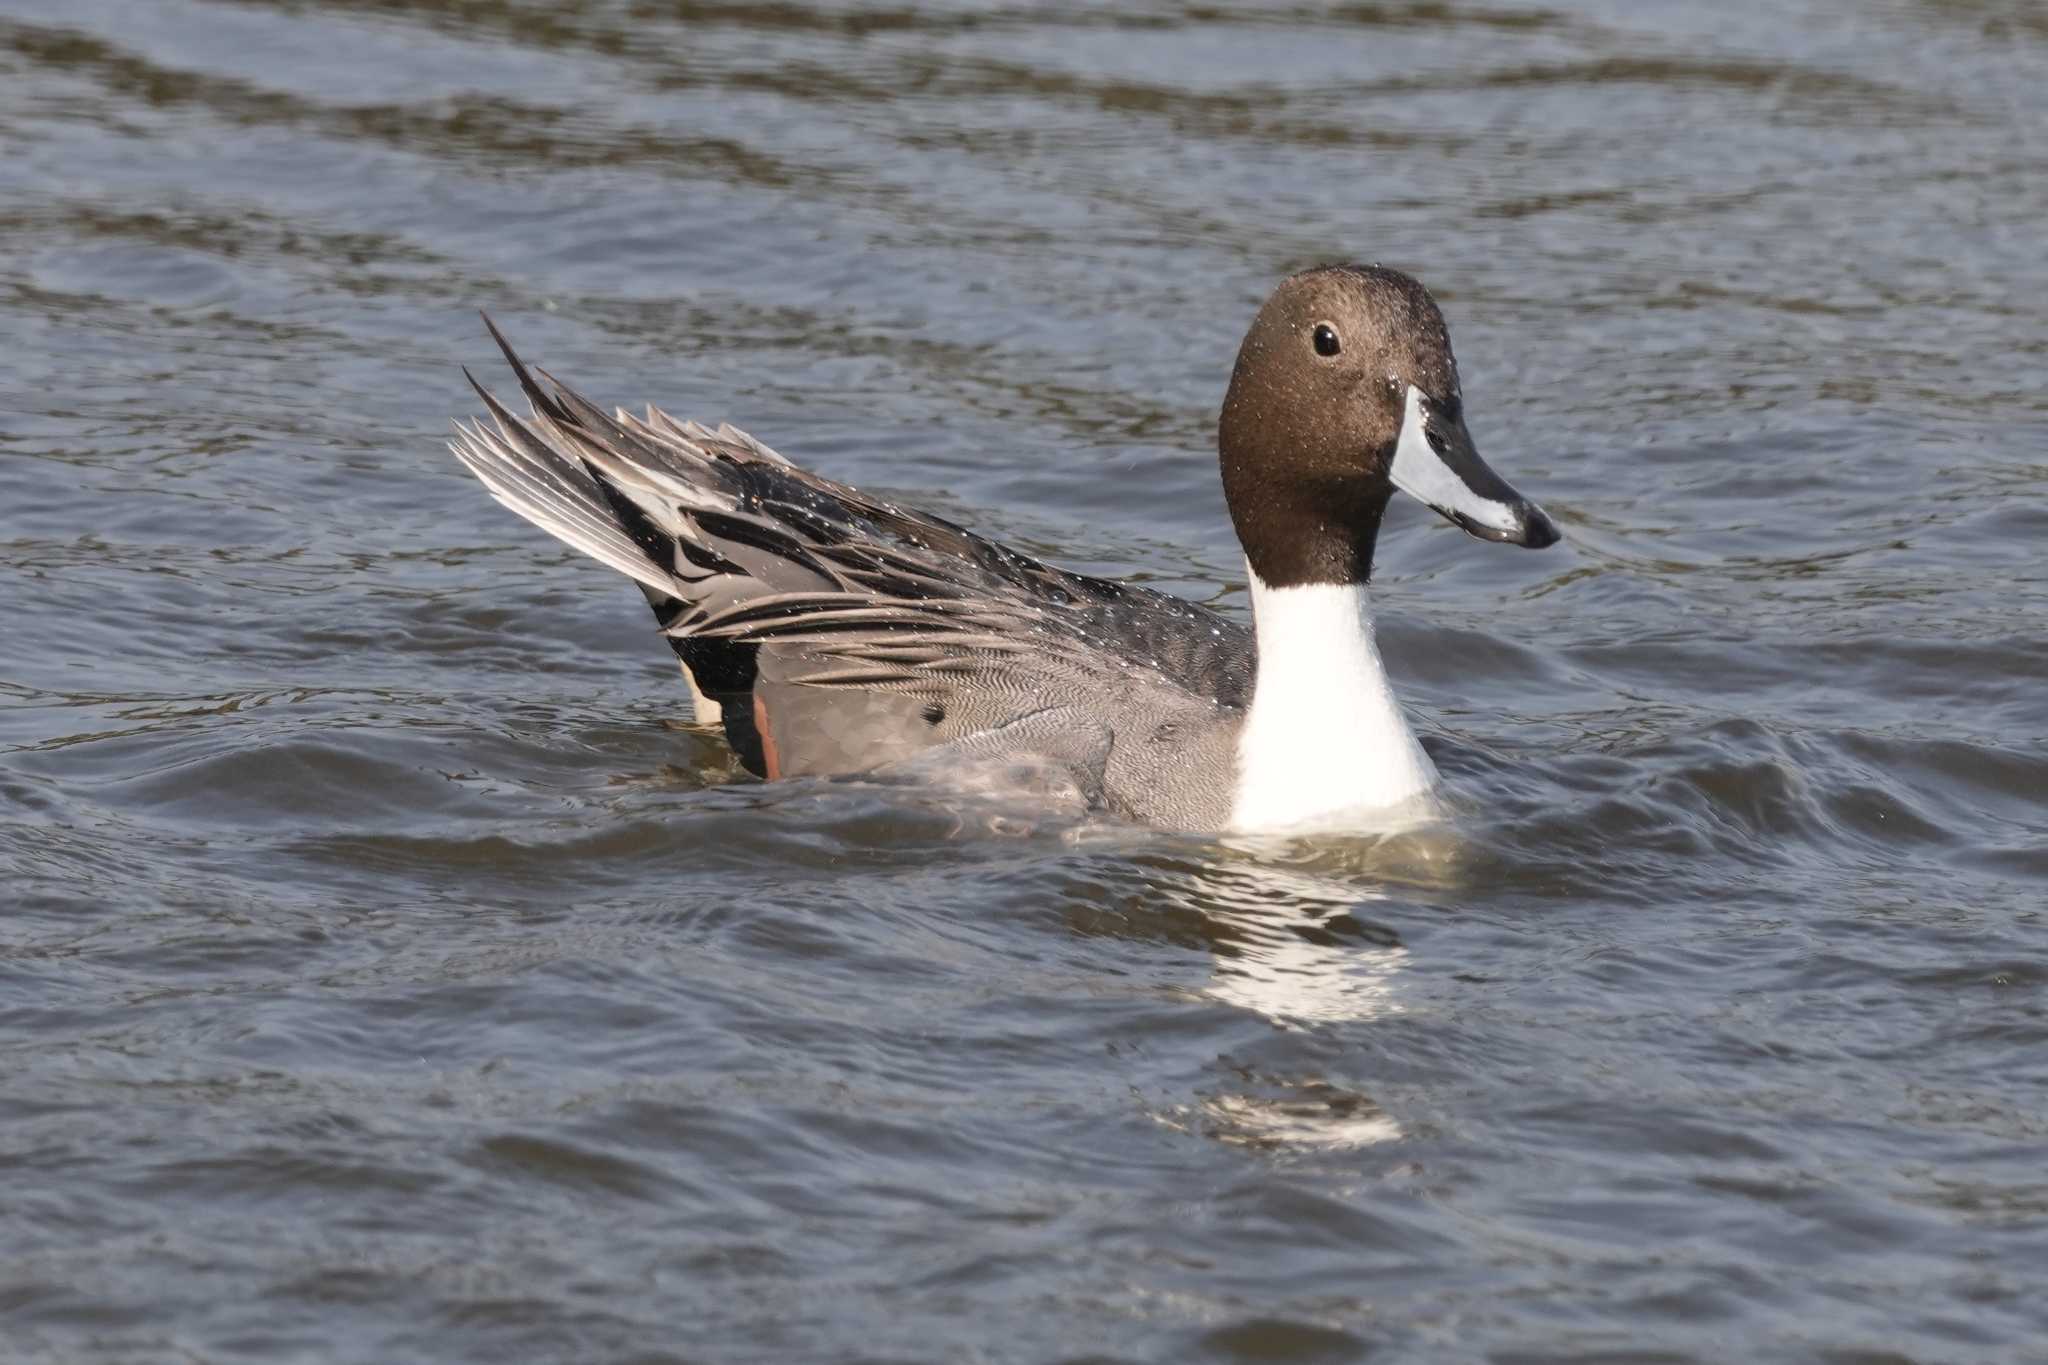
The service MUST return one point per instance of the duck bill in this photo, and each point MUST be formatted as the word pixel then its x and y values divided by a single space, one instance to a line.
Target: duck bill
pixel 1435 461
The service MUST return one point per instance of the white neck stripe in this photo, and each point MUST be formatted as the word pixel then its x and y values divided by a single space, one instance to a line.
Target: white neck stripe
pixel 1324 737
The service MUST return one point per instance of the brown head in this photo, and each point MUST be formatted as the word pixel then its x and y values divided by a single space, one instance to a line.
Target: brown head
pixel 1345 389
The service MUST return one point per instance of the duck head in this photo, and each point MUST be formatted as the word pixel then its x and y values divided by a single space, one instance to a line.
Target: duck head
pixel 1346 390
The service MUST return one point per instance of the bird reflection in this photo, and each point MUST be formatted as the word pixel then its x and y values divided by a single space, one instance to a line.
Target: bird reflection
pixel 1295 947
pixel 1296 935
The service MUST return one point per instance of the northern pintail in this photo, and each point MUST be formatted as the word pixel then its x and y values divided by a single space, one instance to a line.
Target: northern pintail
pixel 832 632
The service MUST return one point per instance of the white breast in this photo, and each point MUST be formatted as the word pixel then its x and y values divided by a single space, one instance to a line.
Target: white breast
pixel 1325 737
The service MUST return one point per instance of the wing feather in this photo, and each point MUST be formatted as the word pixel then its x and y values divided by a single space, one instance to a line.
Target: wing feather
pixel 736 544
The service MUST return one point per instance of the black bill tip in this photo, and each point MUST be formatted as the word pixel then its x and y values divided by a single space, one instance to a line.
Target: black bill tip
pixel 1539 532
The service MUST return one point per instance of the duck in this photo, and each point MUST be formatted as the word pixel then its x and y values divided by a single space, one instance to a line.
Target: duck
pixel 828 632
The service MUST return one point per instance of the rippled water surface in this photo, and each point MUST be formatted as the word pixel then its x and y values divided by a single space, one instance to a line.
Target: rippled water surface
pixel 388 973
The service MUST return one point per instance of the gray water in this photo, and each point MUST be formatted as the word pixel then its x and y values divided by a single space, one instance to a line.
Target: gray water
pixel 388 973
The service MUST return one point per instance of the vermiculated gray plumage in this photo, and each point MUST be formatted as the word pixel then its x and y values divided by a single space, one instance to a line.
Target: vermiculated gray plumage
pixel 839 633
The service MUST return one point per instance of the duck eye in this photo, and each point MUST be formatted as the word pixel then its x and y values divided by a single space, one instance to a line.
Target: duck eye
pixel 1326 340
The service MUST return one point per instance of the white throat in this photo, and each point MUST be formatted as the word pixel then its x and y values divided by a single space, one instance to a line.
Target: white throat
pixel 1325 736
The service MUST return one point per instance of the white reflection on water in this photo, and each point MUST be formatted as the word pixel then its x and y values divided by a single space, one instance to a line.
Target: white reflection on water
pixel 1297 980
pixel 1295 949
pixel 1320 1116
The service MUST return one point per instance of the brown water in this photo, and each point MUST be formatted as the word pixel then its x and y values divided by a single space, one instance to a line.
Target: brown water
pixel 386 976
